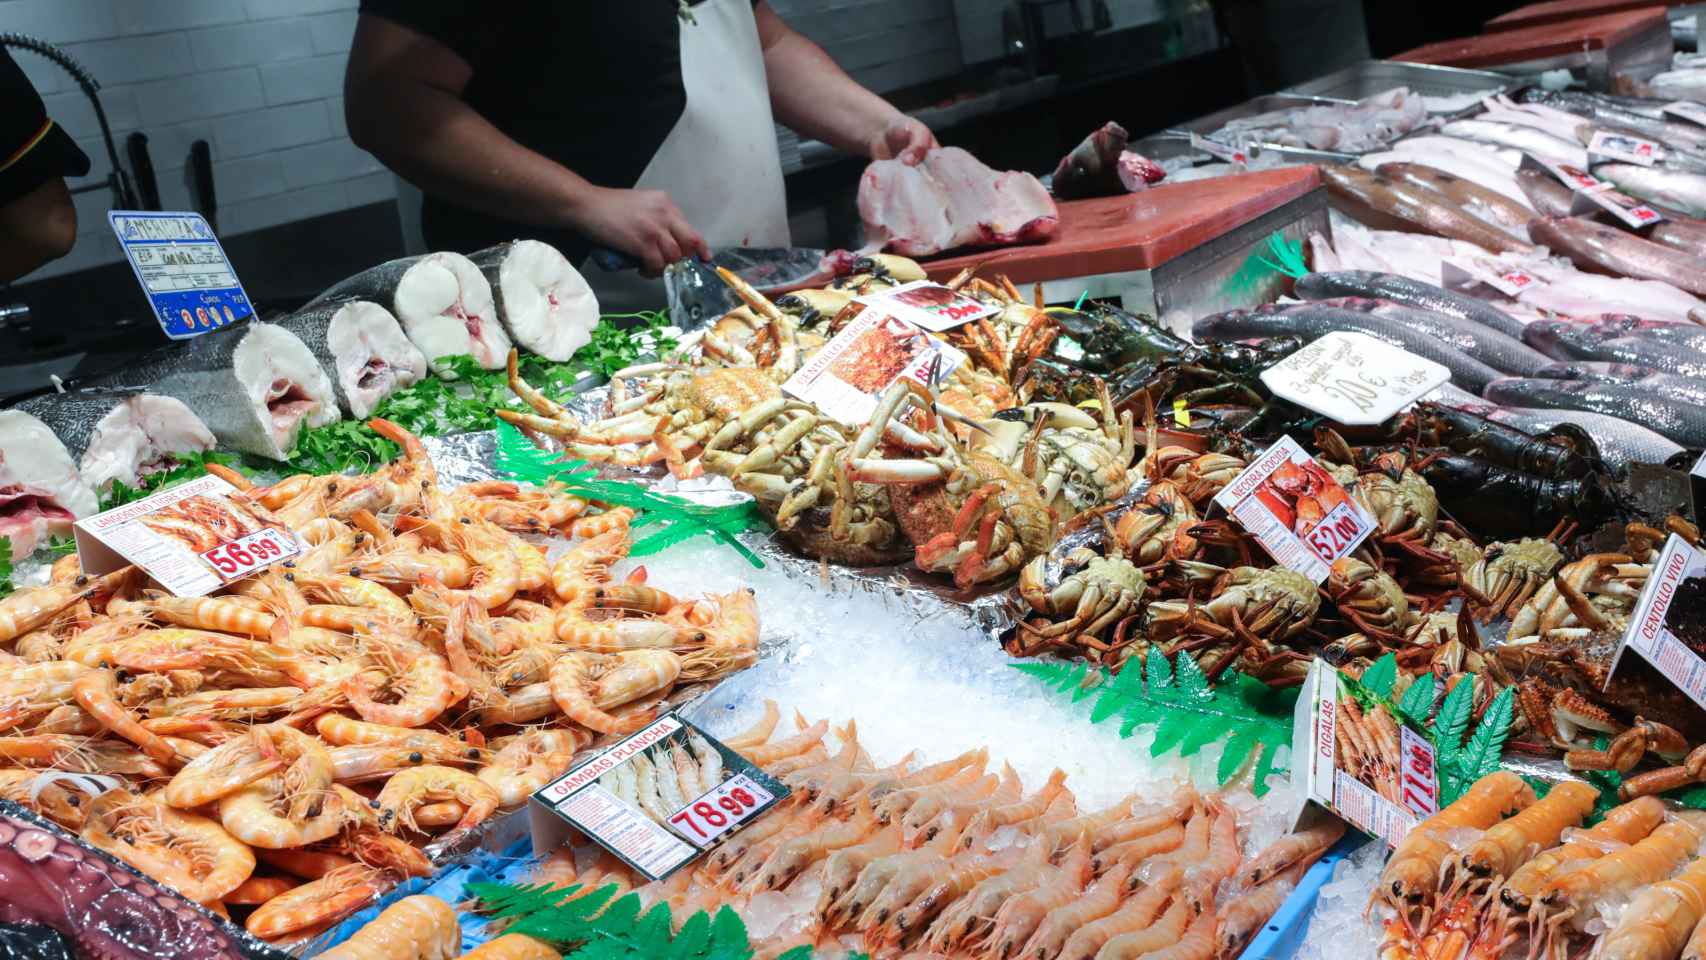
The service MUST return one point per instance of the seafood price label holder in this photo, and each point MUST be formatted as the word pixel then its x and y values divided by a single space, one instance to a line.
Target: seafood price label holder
pixel 1674 593
pixel 847 377
pixel 929 305
pixel 1354 378
pixel 184 272
pixel 1359 761
pixel 192 539
pixel 1296 510
pixel 1591 195
pixel 628 799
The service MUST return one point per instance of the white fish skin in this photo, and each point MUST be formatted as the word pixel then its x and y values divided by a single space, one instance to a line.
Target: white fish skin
pixel 141 435
pixel 41 492
pixel 371 356
pixel 1535 141
pixel 1491 168
pixel 1568 291
pixel 543 301
pixel 445 306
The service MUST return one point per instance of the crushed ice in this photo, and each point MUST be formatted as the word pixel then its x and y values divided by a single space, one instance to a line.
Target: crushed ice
pixel 1341 926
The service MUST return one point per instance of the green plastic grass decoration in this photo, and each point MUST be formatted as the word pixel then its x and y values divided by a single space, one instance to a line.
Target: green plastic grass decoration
pixel 620 930
pixel 1459 762
pixel 679 519
pixel 1275 256
pixel 1186 711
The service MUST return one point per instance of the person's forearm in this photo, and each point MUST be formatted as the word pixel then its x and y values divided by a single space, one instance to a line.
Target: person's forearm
pixel 812 95
pixel 440 144
pixel 37 228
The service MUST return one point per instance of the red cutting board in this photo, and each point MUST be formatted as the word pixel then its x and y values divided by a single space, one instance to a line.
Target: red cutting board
pixel 1137 231
pixel 1557 11
pixel 1537 42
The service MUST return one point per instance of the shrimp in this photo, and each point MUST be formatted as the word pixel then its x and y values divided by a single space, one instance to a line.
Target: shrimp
pixel 913 874
pixel 1058 835
pixel 29 609
pixel 612 636
pixel 960 875
pixel 97 693
pixel 1625 824
pixel 796 854
pixel 1100 900
pixel 687 772
pixel 210 613
pixel 972 915
pixel 759 732
pixel 1006 815
pixel 420 927
pixel 1223 856
pixel 350 591
pixel 1303 846
pixel 587 685
pixel 80 755
pixel 406 791
pixel 1019 918
pixel 1659 920
pixel 843 867
pixel 933 813
pixel 1196 944
pixel 523 705
pixel 528 761
pixel 425 688
pixel 792 746
pixel 1136 851
pixel 37 688
pixel 320 902
pixel 1138 913
pixel 1245 915
pixel 665 782
pixel 57 796
pixel 309 864
pixel 614 519
pixel 257 890
pixel 1413 872
pixel 1509 842
pixel 224 770
pixel 497 573
pixel 513 946
pixel 1165 931
pixel 248 815
pixel 191 854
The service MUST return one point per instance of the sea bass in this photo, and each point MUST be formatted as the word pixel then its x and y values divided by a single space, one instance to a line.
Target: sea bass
pixel 1573 341
pixel 1527 139
pixel 1400 289
pixel 255 385
pixel 1489 206
pixel 543 301
pixel 442 301
pixel 1372 197
pixel 1491 347
pixel 1311 321
pixel 1595 246
pixel 120 435
pixel 363 347
pixel 1679 189
pixel 41 492
pixel 1678 420
pixel 1690 335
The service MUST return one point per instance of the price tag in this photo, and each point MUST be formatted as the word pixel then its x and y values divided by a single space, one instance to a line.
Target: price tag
pixel 1620 205
pixel 617 799
pixel 1218 150
pixel 1340 766
pixel 848 376
pixel 929 305
pixel 1294 508
pixel 725 807
pixel 1353 378
pixel 1688 110
pixel 1668 625
pixel 1623 148
pixel 1571 176
pixel 192 539
pixel 1458 272
pixel 183 270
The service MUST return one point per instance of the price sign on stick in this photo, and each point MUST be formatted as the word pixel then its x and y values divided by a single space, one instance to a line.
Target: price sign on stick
pixel 1295 509
pixel 1354 378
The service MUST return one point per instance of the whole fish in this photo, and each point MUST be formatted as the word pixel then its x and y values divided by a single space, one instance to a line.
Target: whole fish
pixel 1610 113
pixel 41 492
pixel 1573 341
pixel 255 385
pixel 120 435
pixel 442 301
pixel 1678 420
pixel 1549 197
pixel 364 349
pixel 1681 233
pixel 1620 442
pixel 1472 198
pixel 1491 347
pixel 1491 167
pixel 541 299
pixel 1310 321
pixel 1415 293
pixel 1595 246
pixel 1527 139
pixel 1370 196
pixel 1593 370
pixel 1679 189
pixel 1690 335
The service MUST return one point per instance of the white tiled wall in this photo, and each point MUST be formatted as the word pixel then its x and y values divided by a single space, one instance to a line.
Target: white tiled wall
pixel 262 82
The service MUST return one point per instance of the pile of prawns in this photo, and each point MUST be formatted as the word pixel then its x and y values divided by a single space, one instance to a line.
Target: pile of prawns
pixel 955 860
pixel 1499 872
pixel 293 742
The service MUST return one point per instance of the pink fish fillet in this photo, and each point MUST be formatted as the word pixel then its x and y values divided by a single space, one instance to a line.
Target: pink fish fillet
pixel 951 200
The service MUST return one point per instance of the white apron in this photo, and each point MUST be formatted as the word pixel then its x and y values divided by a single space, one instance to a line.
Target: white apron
pixel 719 163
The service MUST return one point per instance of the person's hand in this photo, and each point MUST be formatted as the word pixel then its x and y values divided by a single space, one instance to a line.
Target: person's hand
pixel 644 224
pixel 905 139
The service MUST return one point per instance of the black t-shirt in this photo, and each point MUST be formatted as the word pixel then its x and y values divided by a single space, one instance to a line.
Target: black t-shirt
pixel 594 85
pixel 33 148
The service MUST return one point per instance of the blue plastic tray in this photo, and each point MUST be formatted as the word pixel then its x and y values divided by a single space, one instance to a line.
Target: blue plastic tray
pixel 1283 935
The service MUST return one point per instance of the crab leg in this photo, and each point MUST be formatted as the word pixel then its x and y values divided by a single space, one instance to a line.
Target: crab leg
pixel 767 453
pixel 746 423
pixel 788 355
pixel 532 397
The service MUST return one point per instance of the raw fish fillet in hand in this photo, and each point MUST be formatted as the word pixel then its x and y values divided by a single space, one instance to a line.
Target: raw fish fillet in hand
pixel 951 200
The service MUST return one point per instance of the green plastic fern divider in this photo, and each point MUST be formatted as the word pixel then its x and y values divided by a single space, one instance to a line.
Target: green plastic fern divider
pixel 1276 255
pixel 518 458
pixel 1187 712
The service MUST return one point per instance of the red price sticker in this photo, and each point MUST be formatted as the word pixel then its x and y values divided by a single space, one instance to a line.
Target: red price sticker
pixel 721 809
pixel 1337 534
pixel 239 558
pixel 1518 279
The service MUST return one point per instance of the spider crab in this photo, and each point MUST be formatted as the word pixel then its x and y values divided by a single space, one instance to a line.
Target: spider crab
pixel 1252 613
pixel 1088 591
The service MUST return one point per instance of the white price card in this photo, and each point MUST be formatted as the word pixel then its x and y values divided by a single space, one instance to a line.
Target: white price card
pixel 721 809
pixel 1624 148
pixel 1572 176
pixel 847 377
pixel 630 798
pixel 1295 509
pixel 193 538
pixel 929 305
pixel 1690 110
pixel 1605 198
pixel 1668 625
pixel 1354 378
pixel 1459 272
